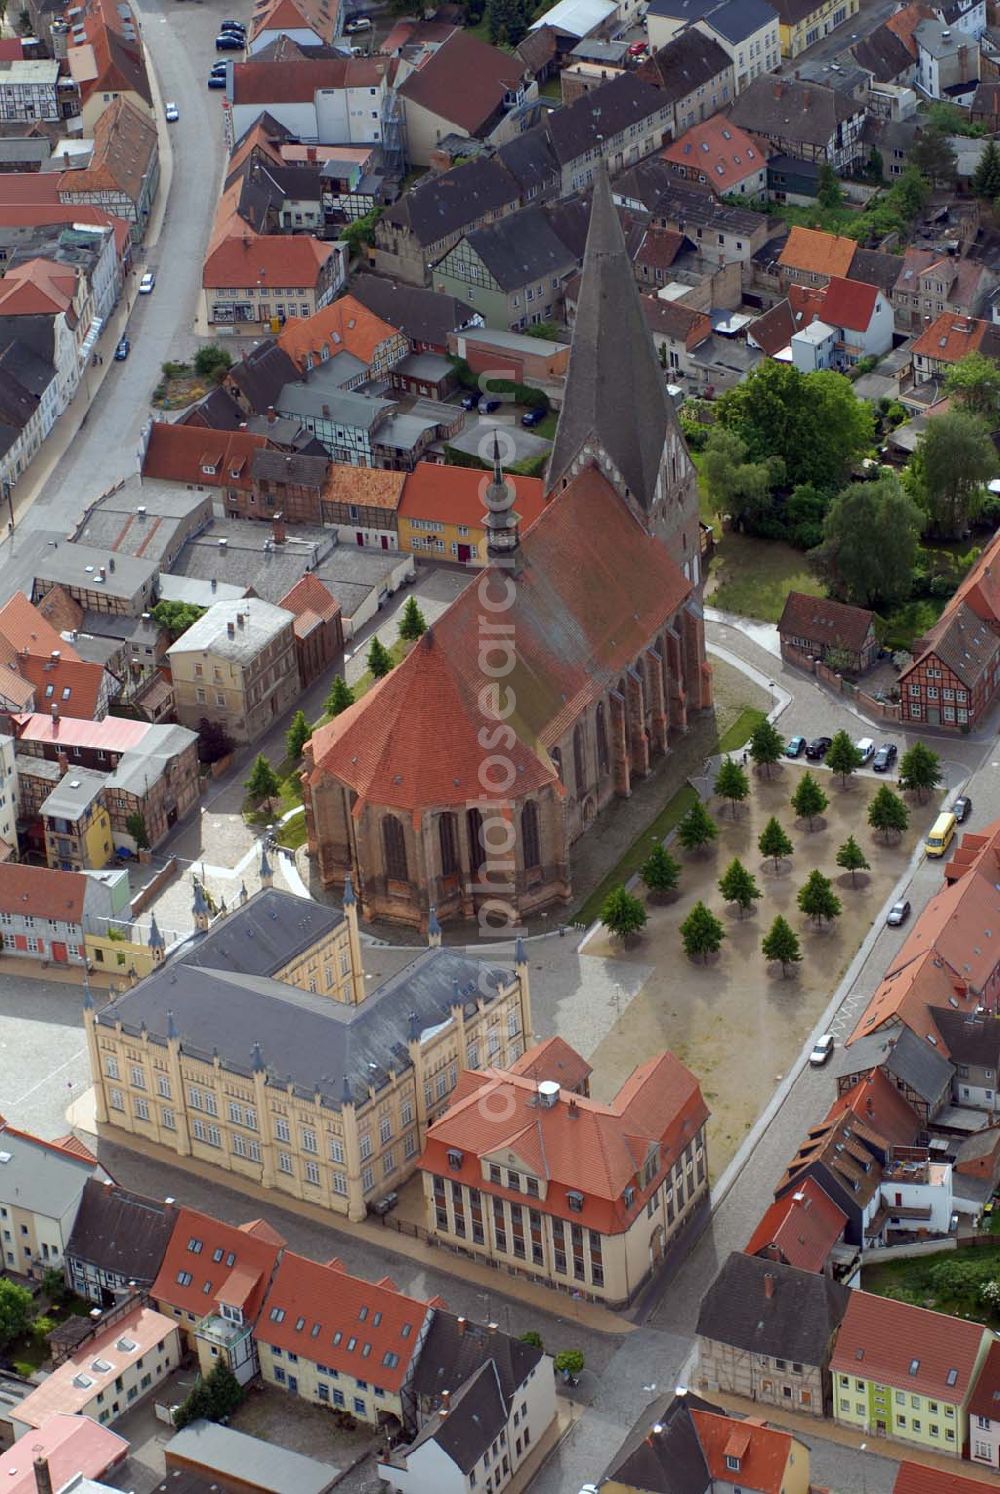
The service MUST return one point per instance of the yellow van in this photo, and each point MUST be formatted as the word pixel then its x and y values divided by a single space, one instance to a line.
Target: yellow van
pixel 942 834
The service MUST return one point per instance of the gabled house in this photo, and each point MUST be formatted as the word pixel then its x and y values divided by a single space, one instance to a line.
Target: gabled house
pixel 800 1230
pixel 803 22
pixel 696 75
pixel 261 280
pixel 123 174
pixel 948 63
pixel 805 120
pixel 318 628
pixel 344 327
pixel 930 285
pixel 425 317
pixel 984 1412
pixel 333 101
pixel 463 87
pixel 906 1373
pixel 117 1243
pixel 973 1042
pixel 513 272
pixel 766 1331
pixel 719 155
pixel 825 629
pixel 309 23
pixel 41 1188
pixel 749 31
pixel 811 257
pixel 922 1075
pixel 620 123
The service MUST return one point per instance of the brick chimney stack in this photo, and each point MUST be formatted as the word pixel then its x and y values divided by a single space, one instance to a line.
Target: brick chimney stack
pixel 769 1285
pixel 43 1477
pixel 278 528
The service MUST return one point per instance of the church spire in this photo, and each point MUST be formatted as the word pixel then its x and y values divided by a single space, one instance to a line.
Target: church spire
pixel 615 399
pixel 502 535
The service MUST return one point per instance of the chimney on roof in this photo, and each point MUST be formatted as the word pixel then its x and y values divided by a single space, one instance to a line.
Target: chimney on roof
pixel 492 1327
pixel 278 528
pixel 43 1477
pixel 768 1284
pixel 241 621
pixel 461 1326
pixel 63 762
pixel 231 629
pixel 574 1109
pixel 779 89
pixel 326 410
pixel 55 715
pixel 271 415
pixel 772 1252
pixel 101 573
pixel 444 1408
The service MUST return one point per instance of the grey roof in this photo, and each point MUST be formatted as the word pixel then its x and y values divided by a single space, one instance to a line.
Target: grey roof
pixel 282 466
pixel 261 375
pixel 681 207
pixel 687 62
pixel 281 430
pixel 423 315
pixel 321 398
pixel 521 248
pixel 428 366
pixel 615 390
pixel 249 1461
pixel 738 19
pixel 255 624
pixel 404 430
pixel 79 566
pixel 307 1040
pixel 606 111
pixel 970 1040
pixel 29 766
pixel 875 267
pixel 438 206
pixel 797 1322
pixel 145 763
pixel 681 10
pixel 120 1232
pixel 262 936
pixel 806 113
pixel 22 363
pixel 595 49
pixel 249 560
pixel 74 792
pixel 530 160
pixel 662 1454
pixel 901 1053
pixel 476 1416
pixel 218 411
pixel 201 591
pixel 38 1178
pixel 883 54
pixel 451 1354
pixel 980 1144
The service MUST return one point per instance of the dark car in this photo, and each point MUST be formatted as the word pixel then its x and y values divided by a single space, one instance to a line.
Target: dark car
pixel 216 80
pixel 885 757
pixel 532 417
pixel 818 747
pixel 795 747
pixel 227 41
pixel 233 26
pixel 470 401
pixel 383 1205
pixel 898 913
pixel 488 405
pixel 122 350
pixel 962 808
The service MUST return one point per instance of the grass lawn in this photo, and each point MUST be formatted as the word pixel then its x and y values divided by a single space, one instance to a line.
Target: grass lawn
pixel 948 1281
pixel 292 834
pixel 547 428
pixel 754 576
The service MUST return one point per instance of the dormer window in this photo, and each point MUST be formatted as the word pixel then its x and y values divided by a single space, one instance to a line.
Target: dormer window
pixel 629 1196
pixel 733 1464
pixel 575 1201
pixel 454 1160
pixel 207 471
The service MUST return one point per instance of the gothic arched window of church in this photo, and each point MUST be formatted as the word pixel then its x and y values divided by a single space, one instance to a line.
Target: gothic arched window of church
pixel 529 835
pixel 603 756
pixel 394 849
pixel 448 837
pixel 579 762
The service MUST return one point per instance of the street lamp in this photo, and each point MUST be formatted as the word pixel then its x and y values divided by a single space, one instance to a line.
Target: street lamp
pixel 7 493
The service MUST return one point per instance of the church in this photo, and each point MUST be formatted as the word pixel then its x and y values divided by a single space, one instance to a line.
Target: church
pixel 456 788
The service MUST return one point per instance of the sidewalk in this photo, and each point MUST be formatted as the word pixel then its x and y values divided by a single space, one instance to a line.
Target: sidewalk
pixel 812 1430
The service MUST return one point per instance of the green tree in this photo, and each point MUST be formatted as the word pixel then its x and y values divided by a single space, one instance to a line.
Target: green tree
pixel 817 898
pixel 298 733
pixel 830 193
pixel 54 1285
pixel 808 800
pixel 263 785
pixel 361 232
pixel 701 933
pixel 766 746
pixel 16 1308
pixel 214 742
pixel 973 383
pixel 379 658
pixel 731 783
pixel 42 1327
pixel 738 886
pixel 569 1363
pixel 533 1338
pixel 912 192
pixel 737 487
pixel 887 814
pixel 773 842
pixel 213 1398
pixel 212 362
pixel 843 757
pixel 623 914
pixel 870 540
pixel 177 617
pixel 135 824
pixel 950 468
pixel 920 770
pixel 986 177
pixel 660 872
pixel 805 511
pixel 412 623
pixel 851 857
pixel 697 828
pixel 340 697
pixel 781 945
pixel 933 154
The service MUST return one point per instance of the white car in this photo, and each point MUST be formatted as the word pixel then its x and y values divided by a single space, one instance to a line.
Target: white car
pixel 822 1051
pixel 172 113
pixel 866 747
pixel 146 283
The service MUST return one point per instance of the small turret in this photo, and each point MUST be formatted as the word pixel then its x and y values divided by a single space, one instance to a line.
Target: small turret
pixel 200 908
pixel 502 533
pixel 266 873
pixel 433 929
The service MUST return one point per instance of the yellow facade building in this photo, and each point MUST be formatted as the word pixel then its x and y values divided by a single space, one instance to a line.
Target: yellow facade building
pixel 258 1048
pixel 801 23
pixel 76 822
pixel 442 511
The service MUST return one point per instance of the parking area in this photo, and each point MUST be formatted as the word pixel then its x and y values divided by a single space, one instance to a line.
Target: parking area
pixel 315 1431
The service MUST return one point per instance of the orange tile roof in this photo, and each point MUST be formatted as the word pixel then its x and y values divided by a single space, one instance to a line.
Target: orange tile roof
pixel 37 287
pixel 15 692
pixel 819 253
pixel 368 487
pixel 908 1348
pixel 553 1059
pixel 244 260
pixel 345 326
pixel 593 587
pixel 719 150
pixel 74 684
pixel 309 594
pixel 980 588
pixel 804 1226
pixel 985 1400
pixel 950 337
pixel 366 1329
pixel 24 630
pixel 919 1478
pixel 234 1264
pixel 878 1105
pixel 73 1447
pixel 849 303
pixel 42 892
pixel 578 1144
pixel 905 22
pixel 454 495
pixel 762 1451
pixel 182 453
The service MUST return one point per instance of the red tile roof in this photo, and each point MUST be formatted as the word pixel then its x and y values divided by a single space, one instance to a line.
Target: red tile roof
pixel 345 326
pixel 75 685
pixel 985 1400
pixel 553 1059
pixel 763 1452
pixel 918 1478
pixel 24 188
pixel 908 1348
pixel 592 589
pixel 24 630
pixel 849 303
pixel 950 337
pixel 905 22
pixel 310 595
pixel 184 453
pixel 244 260
pixel 817 252
pixel 454 495
pixel 578 1144
pixel 297 80
pixel 366 1329
pixel 233 1262
pixel 37 287
pixel 803 1226
pixel 464 81
pixel 42 893
pixel 113 734
pixel 878 1105
pixel 71 1445
pixel 718 150
pixel 980 588
pixel 823 621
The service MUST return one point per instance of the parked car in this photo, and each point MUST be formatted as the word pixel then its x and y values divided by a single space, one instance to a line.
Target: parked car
pixel 470 401
pixel 171 113
pixel 866 747
pixel 233 26
pixel 122 350
pixel 885 757
pixel 818 747
pixel 533 417
pixel 795 747
pixel 146 283
pixel 822 1051
pixel 638 49
pixel 898 913
pixel 228 41
pixel 356 24
pixel 962 808
pixel 383 1205
pixel 488 405
pixel 216 80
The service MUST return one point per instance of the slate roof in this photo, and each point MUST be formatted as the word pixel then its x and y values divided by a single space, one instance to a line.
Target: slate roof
pixel 464 82
pixel 737 20
pixel 875 267
pixel 476 1415
pixel 824 621
pixel 423 315
pixel 120 1232
pixel 686 63
pixel 263 936
pixel 606 111
pixel 971 1040
pixel 530 159
pixel 521 248
pixel 797 1322
pixel 452 1353
pixel 439 206
pixel 901 1053
pixel 38 1175
pixel 615 390
pixel 663 1453
pixel 883 54
pixel 261 375
pixel 778 108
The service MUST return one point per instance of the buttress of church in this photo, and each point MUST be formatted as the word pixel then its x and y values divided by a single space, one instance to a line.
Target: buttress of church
pixel 462 780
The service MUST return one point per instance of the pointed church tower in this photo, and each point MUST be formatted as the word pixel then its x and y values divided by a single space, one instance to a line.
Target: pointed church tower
pixel 502 535
pixel 616 410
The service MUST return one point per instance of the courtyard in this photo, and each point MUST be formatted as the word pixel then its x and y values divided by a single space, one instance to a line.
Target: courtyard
pixel 735 1020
